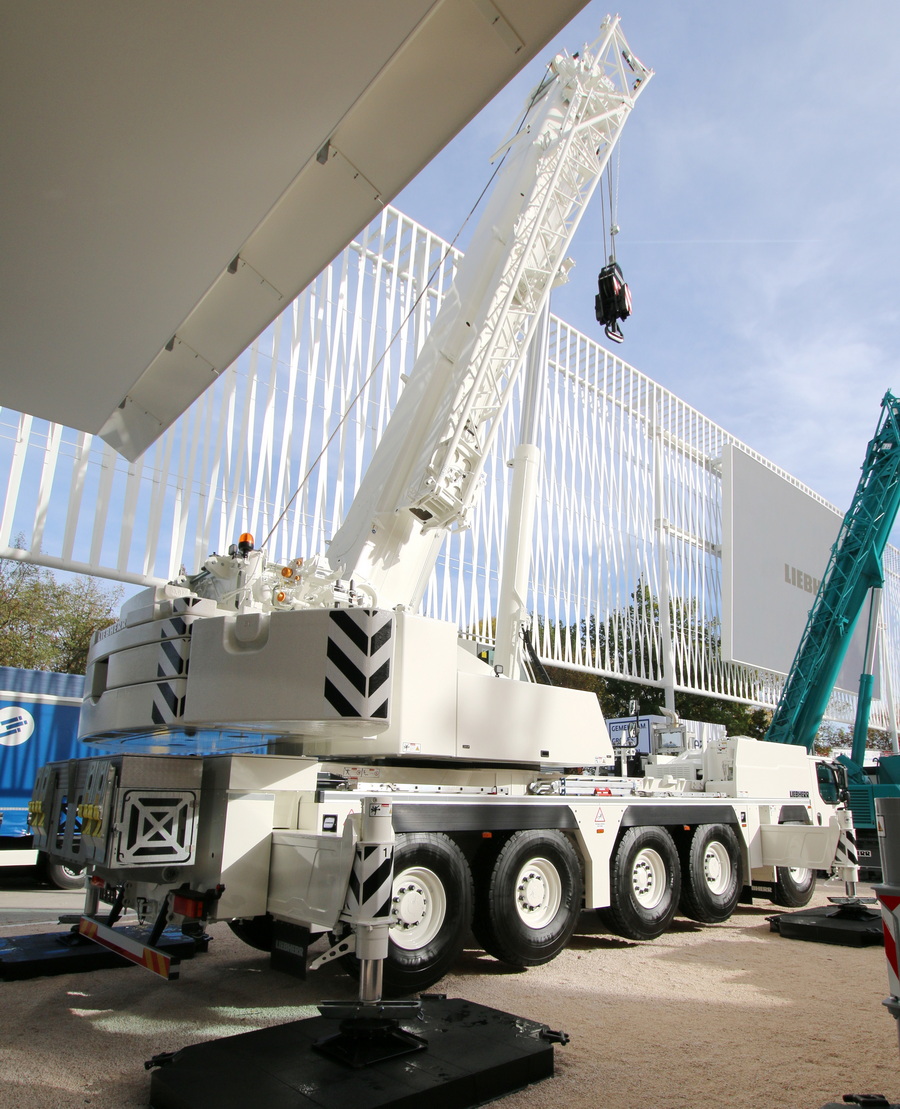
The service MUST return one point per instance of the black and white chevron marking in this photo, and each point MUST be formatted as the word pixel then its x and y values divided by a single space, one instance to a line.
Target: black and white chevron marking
pixel 176 626
pixel 185 604
pixel 371 883
pixel 846 853
pixel 168 705
pixel 358 662
pixel 173 658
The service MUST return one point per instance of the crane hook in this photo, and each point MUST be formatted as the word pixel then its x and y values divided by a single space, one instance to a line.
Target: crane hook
pixel 613 300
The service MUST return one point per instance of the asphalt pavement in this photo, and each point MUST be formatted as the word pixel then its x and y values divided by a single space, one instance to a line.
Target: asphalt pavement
pixel 27 902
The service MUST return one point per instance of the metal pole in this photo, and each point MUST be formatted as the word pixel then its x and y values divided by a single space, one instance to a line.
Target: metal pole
pixel 662 558
pixel 866 681
pixel 886 662
pixel 512 598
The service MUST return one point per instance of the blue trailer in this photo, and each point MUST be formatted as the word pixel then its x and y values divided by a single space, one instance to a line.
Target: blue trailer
pixel 38 724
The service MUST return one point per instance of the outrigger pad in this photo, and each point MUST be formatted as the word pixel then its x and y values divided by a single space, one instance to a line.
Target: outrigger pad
pixel 474 1055
pixel 849 924
pixel 46 953
pixel 866 1101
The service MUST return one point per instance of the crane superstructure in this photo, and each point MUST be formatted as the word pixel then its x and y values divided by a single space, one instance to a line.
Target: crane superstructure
pixel 428 467
pixel 854 573
pixel 381 722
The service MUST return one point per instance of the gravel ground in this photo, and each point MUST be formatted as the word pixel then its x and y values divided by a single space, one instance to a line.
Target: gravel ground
pixel 729 1015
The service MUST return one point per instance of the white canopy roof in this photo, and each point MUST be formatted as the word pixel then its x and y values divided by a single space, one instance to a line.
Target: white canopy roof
pixel 177 171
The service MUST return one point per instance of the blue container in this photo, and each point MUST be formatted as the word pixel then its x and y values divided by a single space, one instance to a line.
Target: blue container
pixel 38 724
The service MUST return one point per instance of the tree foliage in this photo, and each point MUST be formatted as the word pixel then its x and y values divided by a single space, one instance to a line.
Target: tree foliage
pixel 46 623
pixel 831 736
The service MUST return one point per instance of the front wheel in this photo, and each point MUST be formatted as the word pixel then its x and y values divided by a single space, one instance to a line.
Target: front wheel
pixel 528 897
pixel 711 874
pixel 794 886
pixel 645 884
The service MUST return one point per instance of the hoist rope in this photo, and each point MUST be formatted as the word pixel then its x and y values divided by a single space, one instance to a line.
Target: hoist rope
pixel 611 253
pixel 613 196
pixel 618 154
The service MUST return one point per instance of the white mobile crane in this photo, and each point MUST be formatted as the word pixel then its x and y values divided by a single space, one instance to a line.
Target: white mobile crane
pixel 496 789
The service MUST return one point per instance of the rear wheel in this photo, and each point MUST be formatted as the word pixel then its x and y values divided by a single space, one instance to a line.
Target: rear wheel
pixel 794 886
pixel 645 884
pixel 711 874
pixel 528 897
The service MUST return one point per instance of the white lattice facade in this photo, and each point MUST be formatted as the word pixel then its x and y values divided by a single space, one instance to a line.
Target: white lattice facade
pixel 629 523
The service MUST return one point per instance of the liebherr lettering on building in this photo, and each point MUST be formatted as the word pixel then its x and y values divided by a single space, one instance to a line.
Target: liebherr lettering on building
pixel 793 575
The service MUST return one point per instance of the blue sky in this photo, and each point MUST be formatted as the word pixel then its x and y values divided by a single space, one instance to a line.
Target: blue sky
pixel 758 206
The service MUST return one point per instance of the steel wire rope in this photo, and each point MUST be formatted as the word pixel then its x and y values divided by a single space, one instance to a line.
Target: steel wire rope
pixel 538 92
pixel 612 214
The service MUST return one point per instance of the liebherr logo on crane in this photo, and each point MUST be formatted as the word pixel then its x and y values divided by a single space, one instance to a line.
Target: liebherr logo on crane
pixel 358 662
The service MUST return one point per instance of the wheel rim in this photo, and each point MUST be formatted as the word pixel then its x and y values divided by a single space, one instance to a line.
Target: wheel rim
pixel 648 878
pixel 717 868
pixel 418 907
pixel 538 893
pixel 800 874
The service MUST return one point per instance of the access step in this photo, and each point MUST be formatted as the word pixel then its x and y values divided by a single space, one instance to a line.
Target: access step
pixel 49 953
pixel 472 1055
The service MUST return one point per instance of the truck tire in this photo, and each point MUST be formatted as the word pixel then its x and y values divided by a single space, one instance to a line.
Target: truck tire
pixel 645 884
pixel 711 878
pixel 431 909
pixel 65 876
pixel 794 886
pixel 528 895
pixel 255 931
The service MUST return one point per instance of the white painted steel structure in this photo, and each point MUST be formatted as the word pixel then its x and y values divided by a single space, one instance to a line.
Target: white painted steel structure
pixel 630 502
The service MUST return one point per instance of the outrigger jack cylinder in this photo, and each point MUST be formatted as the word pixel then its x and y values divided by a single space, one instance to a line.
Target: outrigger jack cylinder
pixel 370 1030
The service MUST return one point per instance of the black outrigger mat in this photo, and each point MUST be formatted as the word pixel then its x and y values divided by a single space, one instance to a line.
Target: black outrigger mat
pixel 851 925
pixel 474 1055
pixel 44 954
pixel 867 1101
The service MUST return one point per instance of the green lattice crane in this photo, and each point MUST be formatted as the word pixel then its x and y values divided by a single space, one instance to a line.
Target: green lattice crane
pixel 854 568
pixel 854 572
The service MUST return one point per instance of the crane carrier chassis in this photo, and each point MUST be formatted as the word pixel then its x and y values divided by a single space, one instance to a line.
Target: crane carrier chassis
pixel 512 844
